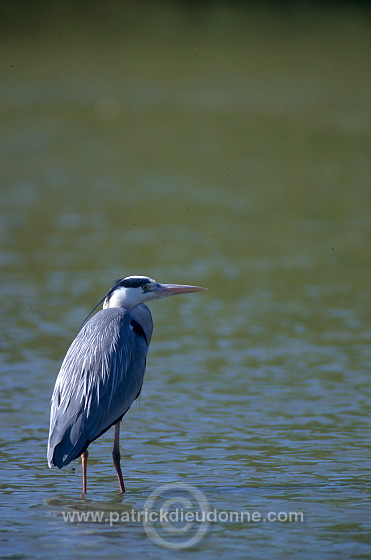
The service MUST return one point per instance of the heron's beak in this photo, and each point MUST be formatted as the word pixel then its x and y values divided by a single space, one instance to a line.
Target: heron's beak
pixel 164 290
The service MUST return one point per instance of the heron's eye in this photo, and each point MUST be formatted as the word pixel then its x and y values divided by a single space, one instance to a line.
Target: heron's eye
pixel 145 287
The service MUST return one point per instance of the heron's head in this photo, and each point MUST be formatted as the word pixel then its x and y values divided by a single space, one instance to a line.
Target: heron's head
pixel 133 290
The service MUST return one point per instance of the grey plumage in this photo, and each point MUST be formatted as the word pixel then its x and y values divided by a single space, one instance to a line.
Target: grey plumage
pixel 92 393
pixel 102 373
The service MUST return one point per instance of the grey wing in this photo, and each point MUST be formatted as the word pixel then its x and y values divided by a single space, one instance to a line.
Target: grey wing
pixel 100 377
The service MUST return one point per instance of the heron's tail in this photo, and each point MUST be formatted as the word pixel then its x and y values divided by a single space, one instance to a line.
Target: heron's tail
pixel 61 453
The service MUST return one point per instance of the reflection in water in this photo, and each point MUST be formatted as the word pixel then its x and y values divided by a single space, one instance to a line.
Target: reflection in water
pixel 222 145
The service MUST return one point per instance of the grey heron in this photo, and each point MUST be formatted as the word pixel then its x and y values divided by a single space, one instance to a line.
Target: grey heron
pixel 102 372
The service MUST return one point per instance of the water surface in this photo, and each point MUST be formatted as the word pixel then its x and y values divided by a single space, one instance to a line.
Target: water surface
pixel 224 147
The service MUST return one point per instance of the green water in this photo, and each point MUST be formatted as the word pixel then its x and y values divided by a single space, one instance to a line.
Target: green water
pixel 223 146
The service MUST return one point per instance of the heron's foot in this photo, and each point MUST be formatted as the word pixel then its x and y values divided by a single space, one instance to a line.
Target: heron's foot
pixel 84 461
pixel 116 456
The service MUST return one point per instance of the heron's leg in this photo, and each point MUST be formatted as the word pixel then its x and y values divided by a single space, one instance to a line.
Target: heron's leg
pixel 84 460
pixel 116 456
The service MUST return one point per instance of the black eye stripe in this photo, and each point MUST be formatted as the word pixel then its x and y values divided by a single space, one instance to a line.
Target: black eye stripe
pixel 133 282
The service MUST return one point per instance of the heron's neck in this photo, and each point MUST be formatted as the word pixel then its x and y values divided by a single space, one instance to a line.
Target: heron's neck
pixel 124 298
